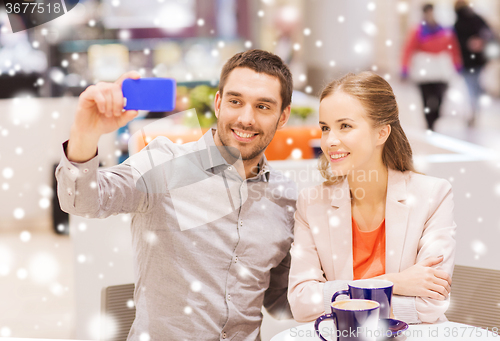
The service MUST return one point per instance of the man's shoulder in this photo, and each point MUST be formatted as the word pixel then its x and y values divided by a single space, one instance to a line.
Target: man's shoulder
pixel 161 151
pixel 163 143
pixel 280 178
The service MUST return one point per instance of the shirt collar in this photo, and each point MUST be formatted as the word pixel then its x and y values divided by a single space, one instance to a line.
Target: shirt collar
pixel 264 169
pixel 212 158
pixel 210 154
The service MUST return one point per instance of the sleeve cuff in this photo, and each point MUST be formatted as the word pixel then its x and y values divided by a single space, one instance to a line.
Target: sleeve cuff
pixel 73 177
pixel 330 288
pixel 403 308
pixel 76 169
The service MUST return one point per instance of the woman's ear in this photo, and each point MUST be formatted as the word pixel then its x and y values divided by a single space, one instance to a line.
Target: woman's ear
pixel 383 134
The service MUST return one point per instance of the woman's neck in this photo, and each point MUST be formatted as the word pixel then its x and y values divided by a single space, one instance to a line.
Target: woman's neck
pixel 368 187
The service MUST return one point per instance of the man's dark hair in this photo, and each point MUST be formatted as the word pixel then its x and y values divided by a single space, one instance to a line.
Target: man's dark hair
pixel 427 7
pixel 262 62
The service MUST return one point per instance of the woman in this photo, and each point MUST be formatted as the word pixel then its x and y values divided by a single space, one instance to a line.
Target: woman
pixel 434 55
pixel 374 216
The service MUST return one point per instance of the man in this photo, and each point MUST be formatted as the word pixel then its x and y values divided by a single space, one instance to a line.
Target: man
pixel 212 222
pixel 473 33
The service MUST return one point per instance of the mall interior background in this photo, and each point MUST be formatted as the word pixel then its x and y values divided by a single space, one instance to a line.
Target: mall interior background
pixel 44 69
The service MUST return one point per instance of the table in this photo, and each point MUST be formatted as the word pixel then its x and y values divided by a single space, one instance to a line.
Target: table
pixel 421 332
pixel 30 339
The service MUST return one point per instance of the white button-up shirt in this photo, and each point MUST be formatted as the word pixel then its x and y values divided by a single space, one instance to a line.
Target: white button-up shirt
pixel 210 247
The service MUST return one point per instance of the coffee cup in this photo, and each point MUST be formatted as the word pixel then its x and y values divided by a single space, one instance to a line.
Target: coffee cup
pixel 370 289
pixel 355 320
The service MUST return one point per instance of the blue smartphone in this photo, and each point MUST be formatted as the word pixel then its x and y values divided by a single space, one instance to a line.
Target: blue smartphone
pixel 152 94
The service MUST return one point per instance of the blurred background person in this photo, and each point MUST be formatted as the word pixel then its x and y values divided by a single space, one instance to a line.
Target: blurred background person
pixel 473 33
pixel 430 57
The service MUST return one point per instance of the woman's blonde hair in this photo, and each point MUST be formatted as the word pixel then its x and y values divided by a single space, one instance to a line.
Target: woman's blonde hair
pixel 378 99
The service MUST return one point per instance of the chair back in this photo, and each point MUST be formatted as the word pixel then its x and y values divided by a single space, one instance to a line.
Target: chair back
pixel 475 297
pixel 117 312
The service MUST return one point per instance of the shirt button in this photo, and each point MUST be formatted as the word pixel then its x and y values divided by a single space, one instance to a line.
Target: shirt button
pixel 241 222
pixel 224 335
pixel 73 171
pixel 229 168
pixel 236 259
pixel 70 192
pixel 228 297
pixel 85 170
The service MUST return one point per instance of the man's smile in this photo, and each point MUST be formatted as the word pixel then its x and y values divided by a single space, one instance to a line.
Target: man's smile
pixel 243 136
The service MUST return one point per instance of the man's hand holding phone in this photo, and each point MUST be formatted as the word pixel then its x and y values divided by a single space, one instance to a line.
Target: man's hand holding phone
pixel 101 109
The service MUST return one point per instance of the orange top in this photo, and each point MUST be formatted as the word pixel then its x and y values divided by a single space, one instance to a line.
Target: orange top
pixel 368 251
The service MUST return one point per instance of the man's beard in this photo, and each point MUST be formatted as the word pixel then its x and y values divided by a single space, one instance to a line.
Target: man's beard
pixel 234 151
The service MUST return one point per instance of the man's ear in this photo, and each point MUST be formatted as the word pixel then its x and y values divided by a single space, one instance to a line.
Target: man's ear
pixel 217 102
pixel 285 115
pixel 383 134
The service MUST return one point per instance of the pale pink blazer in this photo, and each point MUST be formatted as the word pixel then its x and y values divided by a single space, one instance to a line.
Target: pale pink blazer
pixel 419 224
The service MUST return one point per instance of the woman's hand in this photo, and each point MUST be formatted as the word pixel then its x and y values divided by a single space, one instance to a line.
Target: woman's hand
pixel 422 280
